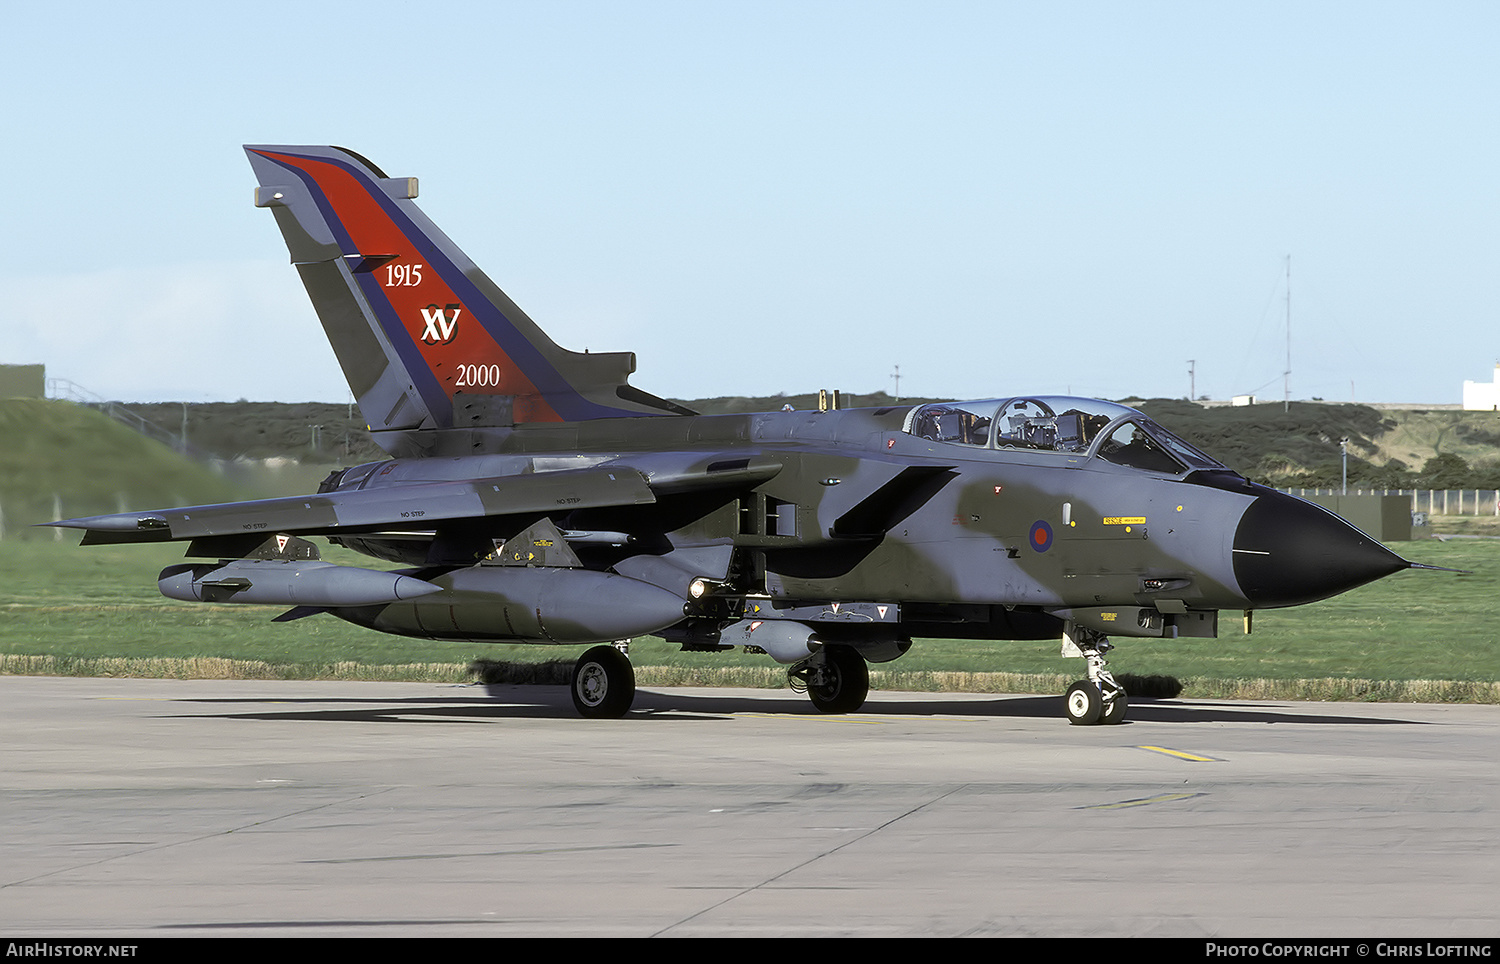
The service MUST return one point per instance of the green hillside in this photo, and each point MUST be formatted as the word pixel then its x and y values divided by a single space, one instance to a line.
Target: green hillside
pixel 1298 445
pixel 734 404
pixel 60 457
pixel 1283 446
pixel 312 432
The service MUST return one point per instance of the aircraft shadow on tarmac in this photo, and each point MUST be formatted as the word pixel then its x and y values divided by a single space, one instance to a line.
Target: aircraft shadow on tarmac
pixel 553 702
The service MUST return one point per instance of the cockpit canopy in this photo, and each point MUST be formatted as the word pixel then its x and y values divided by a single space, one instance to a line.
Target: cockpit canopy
pixel 1057 423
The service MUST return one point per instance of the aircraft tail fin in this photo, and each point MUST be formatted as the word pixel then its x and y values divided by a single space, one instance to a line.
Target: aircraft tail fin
pixel 426 339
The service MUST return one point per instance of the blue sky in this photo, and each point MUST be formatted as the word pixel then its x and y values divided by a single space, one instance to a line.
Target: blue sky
pixel 777 197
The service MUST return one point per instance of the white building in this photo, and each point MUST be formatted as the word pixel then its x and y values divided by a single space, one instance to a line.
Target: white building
pixel 1483 396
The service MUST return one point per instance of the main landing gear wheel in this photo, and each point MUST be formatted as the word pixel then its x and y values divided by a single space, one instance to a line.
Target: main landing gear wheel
pixel 603 683
pixel 841 683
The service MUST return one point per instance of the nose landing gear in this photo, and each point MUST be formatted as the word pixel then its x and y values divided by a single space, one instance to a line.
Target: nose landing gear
pixel 1098 699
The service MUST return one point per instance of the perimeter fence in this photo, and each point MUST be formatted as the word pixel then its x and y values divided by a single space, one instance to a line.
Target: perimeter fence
pixel 1431 501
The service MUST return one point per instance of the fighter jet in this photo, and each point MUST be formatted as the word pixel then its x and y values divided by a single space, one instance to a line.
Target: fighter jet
pixel 533 495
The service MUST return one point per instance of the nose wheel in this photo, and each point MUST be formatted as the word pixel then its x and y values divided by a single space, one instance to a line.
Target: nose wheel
pixel 1098 699
pixel 1083 703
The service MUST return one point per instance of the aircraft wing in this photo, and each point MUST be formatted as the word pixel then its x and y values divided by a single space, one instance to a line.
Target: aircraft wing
pixel 416 506
pixel 422 505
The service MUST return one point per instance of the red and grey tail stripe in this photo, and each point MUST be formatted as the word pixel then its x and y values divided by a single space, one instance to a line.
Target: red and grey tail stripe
pixel 449 336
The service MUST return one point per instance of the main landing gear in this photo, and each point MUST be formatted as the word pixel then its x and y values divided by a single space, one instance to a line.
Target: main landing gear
pixel 603 683
pixel 836 679
pixel 1098 699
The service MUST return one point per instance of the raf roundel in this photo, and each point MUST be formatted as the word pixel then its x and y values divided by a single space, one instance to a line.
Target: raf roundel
pixel 1041 536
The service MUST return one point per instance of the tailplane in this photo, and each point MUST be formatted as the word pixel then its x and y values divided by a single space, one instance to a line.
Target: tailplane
pixel 425 339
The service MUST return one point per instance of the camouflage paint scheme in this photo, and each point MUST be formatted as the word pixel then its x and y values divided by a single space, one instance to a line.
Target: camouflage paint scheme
pixel 537 497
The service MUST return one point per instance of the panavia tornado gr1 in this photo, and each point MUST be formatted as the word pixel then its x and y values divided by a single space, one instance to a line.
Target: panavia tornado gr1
pixel 533 495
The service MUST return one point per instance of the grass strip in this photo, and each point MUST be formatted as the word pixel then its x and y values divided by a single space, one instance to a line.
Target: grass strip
pixel 555 673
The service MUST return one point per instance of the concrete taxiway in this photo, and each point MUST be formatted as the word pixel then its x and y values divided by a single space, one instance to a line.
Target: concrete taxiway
pixel 159 808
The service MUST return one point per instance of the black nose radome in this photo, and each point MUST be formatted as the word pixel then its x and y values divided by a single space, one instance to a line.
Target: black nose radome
pixel 1288 552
